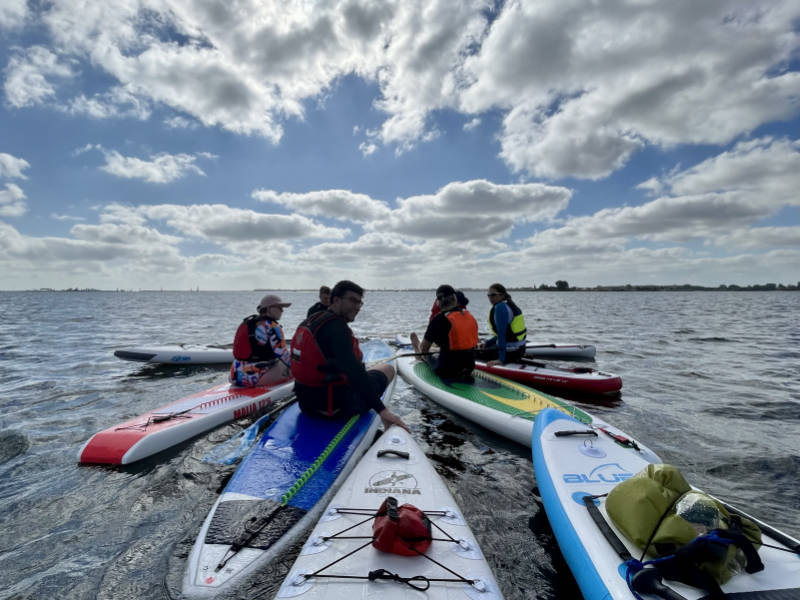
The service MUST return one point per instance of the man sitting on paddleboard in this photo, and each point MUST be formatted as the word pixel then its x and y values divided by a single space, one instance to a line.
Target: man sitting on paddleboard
pixel 260 354
pixel 324 301
pixel 455 331
pixel 331 381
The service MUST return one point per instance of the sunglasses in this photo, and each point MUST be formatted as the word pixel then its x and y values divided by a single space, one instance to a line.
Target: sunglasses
pixel 493 294
pixel 354 300
pixel 445 296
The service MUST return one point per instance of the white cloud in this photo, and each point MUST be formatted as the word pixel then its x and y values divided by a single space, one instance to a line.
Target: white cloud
pixel 161 168
pixel 477 209
pixel 13 13
pixel 581 86
pixel 223 224
pixel 587 84
pixel 472 124
pixel 60 217
pixel 117 102
pixel 767 169
pixel 28 76
pixel 12 167
pixel 336 204
pixel 12 201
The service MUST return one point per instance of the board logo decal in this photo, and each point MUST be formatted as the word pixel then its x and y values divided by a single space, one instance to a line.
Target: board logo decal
pixel 606 473
pixel 393 482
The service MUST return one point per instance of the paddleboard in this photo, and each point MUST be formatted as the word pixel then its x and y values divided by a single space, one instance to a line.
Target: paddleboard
pixel 570 466
pixel 279 490
pixel 565 351
pixel 395 467
pixel 533 349
pixel 503 406
pixel 551 377
pixel 173 423
pixel 178 354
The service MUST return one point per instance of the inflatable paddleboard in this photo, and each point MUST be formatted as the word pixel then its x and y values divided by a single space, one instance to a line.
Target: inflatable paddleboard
pixel 503 406
pixel 533 349
pixel 178 421
pixel 338 557
pixel 179 354
pixel 543 376
pixel 570 465
pixel 565 351
pixel 277 493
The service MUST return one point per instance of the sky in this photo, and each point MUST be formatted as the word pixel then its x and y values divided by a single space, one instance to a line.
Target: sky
pixel 242 144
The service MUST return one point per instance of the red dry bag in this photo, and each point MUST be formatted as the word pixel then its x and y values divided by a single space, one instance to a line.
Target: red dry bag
pixel 404 530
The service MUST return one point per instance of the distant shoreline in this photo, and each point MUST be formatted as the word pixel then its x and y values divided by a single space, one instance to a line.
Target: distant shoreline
pixel 767 287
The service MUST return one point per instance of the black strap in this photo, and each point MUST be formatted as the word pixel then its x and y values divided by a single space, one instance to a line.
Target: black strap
pixel 608 533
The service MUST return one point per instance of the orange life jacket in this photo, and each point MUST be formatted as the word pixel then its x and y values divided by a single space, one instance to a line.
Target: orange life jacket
pixel 464 329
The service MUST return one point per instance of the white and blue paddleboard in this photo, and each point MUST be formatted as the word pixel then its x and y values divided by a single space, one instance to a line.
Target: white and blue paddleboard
pixel 336 561
pixel 177 354
pixel 277 493
pixel 570 465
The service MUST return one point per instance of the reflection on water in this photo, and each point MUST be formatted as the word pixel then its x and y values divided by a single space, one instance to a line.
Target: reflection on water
pixel 710 383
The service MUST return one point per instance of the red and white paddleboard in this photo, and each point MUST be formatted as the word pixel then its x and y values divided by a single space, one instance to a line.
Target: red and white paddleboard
pixel 541 375
pixel 174 423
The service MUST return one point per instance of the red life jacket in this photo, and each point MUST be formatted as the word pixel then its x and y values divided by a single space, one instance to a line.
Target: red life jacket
pixel 309 365
pixel 464 329
pixel 245 345
pixel 404 530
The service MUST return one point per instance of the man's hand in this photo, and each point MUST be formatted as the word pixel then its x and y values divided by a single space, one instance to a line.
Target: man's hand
pixel 389 418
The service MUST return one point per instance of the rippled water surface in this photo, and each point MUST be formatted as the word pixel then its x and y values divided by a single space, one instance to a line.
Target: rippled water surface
pixel 711 382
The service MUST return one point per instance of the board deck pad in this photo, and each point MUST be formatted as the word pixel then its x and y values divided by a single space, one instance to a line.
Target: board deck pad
pixel 231 517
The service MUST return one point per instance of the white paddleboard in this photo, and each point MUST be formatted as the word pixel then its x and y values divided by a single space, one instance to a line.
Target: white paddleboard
pixel 178 354
pixel 569 467
pixel 394 466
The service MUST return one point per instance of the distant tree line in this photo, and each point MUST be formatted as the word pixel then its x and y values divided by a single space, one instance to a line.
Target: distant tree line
pixel 563 286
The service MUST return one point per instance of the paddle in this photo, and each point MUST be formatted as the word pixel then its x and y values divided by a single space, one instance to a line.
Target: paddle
pixel 242 441
pixel 403 355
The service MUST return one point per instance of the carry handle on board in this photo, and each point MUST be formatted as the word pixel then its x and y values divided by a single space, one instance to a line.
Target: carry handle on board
pixel 648 581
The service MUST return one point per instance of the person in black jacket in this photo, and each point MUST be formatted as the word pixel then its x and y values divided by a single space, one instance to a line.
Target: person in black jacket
pixel 324 301
pixel 330 378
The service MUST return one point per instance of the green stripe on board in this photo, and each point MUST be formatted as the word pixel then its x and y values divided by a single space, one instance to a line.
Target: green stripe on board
pixel 493 392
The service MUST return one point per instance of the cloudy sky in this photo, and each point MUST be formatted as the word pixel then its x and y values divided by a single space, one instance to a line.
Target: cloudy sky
pixel 239 144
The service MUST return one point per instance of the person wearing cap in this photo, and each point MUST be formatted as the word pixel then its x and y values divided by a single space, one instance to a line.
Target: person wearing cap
pixel 260 354
pixel 324 301
pixel 455 331
pixel 330 378
pixel 462 302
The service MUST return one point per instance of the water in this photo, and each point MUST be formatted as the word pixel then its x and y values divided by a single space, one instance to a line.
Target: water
pixel 711 382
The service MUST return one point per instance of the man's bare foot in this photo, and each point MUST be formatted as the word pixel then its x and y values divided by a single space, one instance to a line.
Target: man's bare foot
pixel 415 341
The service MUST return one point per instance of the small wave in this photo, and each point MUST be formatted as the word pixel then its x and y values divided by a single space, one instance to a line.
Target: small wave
pixel 768 411
pixel 12 443
pixel 772 467
pixel 712 340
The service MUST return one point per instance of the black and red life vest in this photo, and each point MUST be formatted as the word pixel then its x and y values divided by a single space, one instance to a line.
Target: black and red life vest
pixel 463 329
pixel 309 365
pixel 245 345
pixel 404 530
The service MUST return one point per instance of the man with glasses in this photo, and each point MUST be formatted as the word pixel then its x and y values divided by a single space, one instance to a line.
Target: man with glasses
pixel 455 331
pixel 331 381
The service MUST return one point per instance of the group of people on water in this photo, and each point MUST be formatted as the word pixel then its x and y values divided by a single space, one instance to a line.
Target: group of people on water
pixel 325 360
